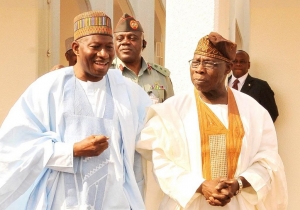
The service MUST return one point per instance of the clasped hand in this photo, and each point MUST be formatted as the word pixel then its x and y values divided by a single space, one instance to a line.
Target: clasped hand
pixel 90 146
pixel 218 192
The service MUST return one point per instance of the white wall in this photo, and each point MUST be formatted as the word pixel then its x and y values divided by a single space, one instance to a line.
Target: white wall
pixel 185 25
pixel 242 17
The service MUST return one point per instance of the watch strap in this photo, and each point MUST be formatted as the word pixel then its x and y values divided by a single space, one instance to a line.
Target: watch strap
pixel 239 181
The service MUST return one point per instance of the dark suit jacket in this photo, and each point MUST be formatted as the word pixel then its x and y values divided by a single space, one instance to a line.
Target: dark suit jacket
pixel 262 93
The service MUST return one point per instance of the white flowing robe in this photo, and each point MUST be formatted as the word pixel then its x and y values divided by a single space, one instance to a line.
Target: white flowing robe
pixel 171 139
pixel 36 157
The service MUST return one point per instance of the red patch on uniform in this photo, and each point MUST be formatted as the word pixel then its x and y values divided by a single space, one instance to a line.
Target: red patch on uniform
pixel 121 67
pixel 149 66
pixel 134 24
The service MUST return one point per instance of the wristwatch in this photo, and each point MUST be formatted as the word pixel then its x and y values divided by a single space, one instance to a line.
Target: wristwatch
pixel 240 186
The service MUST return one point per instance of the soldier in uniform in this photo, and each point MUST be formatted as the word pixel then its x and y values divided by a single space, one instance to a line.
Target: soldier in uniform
pixel 129 43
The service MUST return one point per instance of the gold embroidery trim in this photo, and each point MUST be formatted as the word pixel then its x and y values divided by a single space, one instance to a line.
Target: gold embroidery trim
pixel 209 124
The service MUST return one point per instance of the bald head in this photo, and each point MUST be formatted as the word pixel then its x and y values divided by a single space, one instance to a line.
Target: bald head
pixel 242 51
pixel 241 64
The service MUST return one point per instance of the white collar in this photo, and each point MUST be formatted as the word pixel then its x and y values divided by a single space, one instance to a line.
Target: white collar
pixel 241 79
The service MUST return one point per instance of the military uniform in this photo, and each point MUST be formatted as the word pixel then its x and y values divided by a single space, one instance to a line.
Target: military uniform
pixel 154 78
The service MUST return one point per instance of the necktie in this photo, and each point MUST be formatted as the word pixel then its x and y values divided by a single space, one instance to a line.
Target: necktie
pixel 235 84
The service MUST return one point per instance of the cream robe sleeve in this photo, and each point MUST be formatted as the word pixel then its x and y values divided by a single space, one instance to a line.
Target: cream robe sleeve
pixel 259 161
pixel 163 142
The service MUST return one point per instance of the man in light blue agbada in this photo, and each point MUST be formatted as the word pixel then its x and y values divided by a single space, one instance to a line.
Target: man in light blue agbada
pixel 69 141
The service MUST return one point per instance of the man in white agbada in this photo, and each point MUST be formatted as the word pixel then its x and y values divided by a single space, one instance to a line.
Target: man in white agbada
pixel 213 147
pixel 69 141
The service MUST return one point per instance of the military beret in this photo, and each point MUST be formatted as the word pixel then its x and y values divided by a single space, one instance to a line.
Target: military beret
pixel 127 23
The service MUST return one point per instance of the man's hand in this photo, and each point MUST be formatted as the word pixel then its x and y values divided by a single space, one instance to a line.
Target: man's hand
pixel 208 187
pixel 90 146
pixel 218 192
pixel 227 186
pixel 226 190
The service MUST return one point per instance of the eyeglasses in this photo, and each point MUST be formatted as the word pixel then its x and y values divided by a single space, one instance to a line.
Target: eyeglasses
pixel 206 64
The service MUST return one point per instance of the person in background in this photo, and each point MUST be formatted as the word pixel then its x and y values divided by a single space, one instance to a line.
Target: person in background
pixel 214 147
pixel 254 87
pixel 129 43
pixel 69 141
pixel 69 54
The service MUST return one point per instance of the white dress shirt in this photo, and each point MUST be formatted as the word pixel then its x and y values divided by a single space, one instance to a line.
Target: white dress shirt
pixel 241 81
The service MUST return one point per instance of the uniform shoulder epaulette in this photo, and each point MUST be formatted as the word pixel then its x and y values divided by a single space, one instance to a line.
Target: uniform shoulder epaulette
pixel 164 71
pixel 117 64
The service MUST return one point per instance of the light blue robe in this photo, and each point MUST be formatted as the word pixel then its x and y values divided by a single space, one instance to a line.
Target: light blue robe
pixel 40 130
